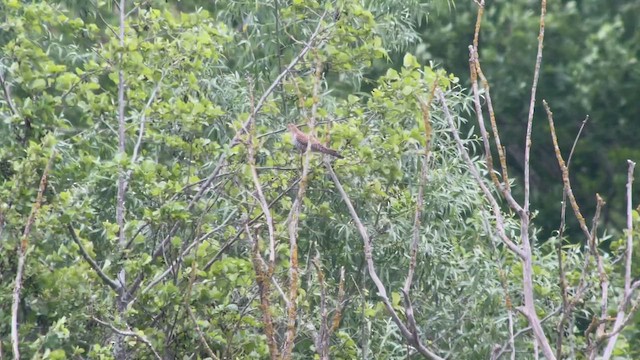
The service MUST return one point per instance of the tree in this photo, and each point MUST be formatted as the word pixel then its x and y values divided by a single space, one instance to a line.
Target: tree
pixel 158 208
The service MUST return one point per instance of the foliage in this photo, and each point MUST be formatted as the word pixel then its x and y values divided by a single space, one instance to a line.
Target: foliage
pixel 207 93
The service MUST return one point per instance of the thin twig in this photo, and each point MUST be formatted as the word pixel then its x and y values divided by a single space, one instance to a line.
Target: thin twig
pixel 506 345
pixel 22 255
pixel 121 300
pixel 7 94
pixel 129 333
pixel 532 103
pixel 94 265
pixel 620 316
pixel 527 273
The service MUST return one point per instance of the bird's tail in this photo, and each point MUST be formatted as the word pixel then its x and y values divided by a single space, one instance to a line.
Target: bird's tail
pixel 326 150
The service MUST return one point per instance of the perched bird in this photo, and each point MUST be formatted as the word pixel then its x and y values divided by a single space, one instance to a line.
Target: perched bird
pixel 300 140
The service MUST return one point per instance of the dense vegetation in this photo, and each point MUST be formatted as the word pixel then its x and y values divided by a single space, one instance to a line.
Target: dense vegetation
pixel 152 204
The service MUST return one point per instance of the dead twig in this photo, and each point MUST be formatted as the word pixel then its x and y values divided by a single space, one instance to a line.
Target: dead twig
pixel 22 256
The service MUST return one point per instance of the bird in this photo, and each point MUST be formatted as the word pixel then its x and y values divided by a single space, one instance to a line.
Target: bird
pixel 300 140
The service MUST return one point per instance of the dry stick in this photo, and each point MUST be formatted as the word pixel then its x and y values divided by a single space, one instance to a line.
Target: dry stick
pixel 505 346
pixel 529 307
pixel 22 255
pixel 567 306
pixel 475 72
pixel 534 86
pixel 134 334
pixel 382 292
pixel 620 317
pixel 322 339
pixel 505 189
pixel 474 64
pixel 251 154
pixel 294 214
pixel 121 300
pixel 589 234
pixel 524 253
pixel 476 175
pixel 263 287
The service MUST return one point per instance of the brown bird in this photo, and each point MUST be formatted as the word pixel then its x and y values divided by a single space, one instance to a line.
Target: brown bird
pixel 300 140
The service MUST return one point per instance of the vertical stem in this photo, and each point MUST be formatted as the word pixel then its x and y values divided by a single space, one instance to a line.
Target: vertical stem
pixel 22 255
pixel 120 350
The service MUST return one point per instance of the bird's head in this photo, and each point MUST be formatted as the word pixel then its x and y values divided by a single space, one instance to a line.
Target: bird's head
pixel 292 127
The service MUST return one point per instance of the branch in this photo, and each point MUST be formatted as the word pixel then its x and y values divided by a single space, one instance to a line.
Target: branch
pixel 382 292
pixel 236 139
pixel 565 173
pixel 22 255
pixel 506 345
pixel 620 317
pixel 504 187
pixel 294 214
pixel 129 333
pixel 265 293
pixel 121 300
pixel 425 108
pixel 534 86
pixel 7 94
pixel 251 157
pixel 94 265
pixel 476 174
pixel 524 253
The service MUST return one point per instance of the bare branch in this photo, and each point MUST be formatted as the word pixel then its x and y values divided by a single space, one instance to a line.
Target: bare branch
pixel 382 292
pixel 121 301
pixel 506 345
pixel 476 175
pixel 94 265
pixel 565 173
pixel 130 333
pixel 265 293
pixel 294 214
pixel 251 155
pixel 7 94
pixel 22 255
pixel 628 286
pixel 504 187
pixel 532 103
